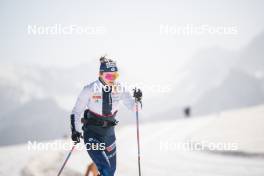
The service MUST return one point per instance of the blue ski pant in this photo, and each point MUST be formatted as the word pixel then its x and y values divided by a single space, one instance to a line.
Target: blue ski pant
pixel 102 150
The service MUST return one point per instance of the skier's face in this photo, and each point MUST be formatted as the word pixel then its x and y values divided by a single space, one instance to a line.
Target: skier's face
pixel 109 77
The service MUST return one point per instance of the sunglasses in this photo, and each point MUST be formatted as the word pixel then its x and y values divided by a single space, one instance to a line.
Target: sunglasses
pixel 111 76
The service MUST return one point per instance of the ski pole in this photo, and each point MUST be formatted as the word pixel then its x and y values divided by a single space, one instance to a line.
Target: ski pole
pixel 66 160
pixel 138 144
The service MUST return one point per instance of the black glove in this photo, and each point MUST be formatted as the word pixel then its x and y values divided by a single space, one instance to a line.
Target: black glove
pixel 137 94
pixel 76 136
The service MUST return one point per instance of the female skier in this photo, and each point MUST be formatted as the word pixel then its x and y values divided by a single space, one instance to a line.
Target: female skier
pixel 98 103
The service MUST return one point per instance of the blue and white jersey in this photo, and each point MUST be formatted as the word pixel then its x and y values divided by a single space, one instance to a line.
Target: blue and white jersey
pixel 101 100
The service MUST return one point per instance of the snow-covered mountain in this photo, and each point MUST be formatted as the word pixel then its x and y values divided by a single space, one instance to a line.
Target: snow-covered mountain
pixel 243 85
pixel 216 79
pixel 237 90
pixel 9 98
pixel 39 119
pixel 251 57
pixel 33 98
pixel 33 81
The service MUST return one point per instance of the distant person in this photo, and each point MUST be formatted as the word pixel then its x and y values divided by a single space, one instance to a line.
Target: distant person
pixel 187 112
pixel 101 99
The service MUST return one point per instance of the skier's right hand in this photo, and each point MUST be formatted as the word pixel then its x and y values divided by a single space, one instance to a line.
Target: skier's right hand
pixel 76 136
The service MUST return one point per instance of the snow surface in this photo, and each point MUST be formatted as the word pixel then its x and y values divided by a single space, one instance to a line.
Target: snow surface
pixel 245 127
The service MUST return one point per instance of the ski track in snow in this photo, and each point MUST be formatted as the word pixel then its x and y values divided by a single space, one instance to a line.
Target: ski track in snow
pixel 155 160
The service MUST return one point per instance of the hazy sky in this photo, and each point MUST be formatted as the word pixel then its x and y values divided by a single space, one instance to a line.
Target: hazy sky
pixel 132 34
pixel 132 28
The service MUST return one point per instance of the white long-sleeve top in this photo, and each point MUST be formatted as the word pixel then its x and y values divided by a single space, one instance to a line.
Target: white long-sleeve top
pixel 91 98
